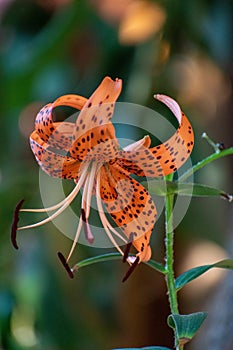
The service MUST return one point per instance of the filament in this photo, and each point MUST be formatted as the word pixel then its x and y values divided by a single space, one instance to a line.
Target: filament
pixel 67 199
pixel 103 217
pixel 75 239
pixel 62 208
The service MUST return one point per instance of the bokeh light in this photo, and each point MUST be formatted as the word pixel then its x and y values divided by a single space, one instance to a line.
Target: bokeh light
pixel 54 47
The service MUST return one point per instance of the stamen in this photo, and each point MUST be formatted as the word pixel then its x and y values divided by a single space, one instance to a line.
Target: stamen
pixel 131 269
pixel 54 207
pixel 65 264
pixel 116 233
pixel 15 224
pixel 83 219
pixel 62 208
pixel 87 229
pixel 75 239
pixel 89 191
pixel 103 217
pixel 127 249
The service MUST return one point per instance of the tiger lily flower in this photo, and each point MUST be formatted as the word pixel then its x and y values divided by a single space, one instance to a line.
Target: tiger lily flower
pixel 95 162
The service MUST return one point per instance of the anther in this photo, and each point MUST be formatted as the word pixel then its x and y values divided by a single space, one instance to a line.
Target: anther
pixel 220 146
pixel 128 246
pixel 131 269
pixel 14 225
pixel 65 264
pixel 87 230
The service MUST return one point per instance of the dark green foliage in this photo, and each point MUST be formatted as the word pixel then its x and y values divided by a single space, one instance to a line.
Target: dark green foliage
pixel 48 51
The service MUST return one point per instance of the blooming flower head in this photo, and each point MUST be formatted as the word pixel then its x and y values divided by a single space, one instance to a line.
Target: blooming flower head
pixel 89 153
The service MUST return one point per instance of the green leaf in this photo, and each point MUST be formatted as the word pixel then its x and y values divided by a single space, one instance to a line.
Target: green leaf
pixel 195 272
pixel 97 259
pixel 162 188
pixel 199 190
pixel 204 162
pixel 146 348
pixel 186 326
pixel 156 266
pixel 115 256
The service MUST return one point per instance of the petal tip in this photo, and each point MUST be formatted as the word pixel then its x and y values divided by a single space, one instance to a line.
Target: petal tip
pixel 171 104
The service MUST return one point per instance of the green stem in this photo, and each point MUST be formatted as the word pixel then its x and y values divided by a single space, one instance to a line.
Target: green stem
pixel 207 160
pixel 169 244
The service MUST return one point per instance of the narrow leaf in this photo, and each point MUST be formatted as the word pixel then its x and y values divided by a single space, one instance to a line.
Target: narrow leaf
pixel 156 266
pixel 186 326
pixel 225 264
pixel 199 190
pixel 98 258
pixel 115 256
pixel 162 188
pixel 204 162
pixel 195 272
pixel 146 348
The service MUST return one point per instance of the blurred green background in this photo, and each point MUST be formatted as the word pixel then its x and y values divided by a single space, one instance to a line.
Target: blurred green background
pixel 54 47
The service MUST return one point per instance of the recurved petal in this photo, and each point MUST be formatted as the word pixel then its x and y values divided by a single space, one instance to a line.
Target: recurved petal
pixel 130 206
pixel 74 101
pixel 93 124
pixel 45 126
pixel 167 157
pixel 53 163
pixel 44 122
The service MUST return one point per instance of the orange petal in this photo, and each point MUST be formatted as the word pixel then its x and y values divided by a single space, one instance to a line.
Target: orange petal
pixel 165 158
pixel 99 144
pixel 44 124
pixel 54 164
pixel 130 206
pixel 74 101
pixel 61 138
pixel 145 142
pixel 93 125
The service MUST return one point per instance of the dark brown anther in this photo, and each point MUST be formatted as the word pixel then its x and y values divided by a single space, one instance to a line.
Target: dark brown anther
pixel 14 225
pixel 228 197
pixel 220 146
pixel 65 264
pixel 131 269
pixel 88 234
pixel 128 246
pixel 84 219
pixel 126 252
